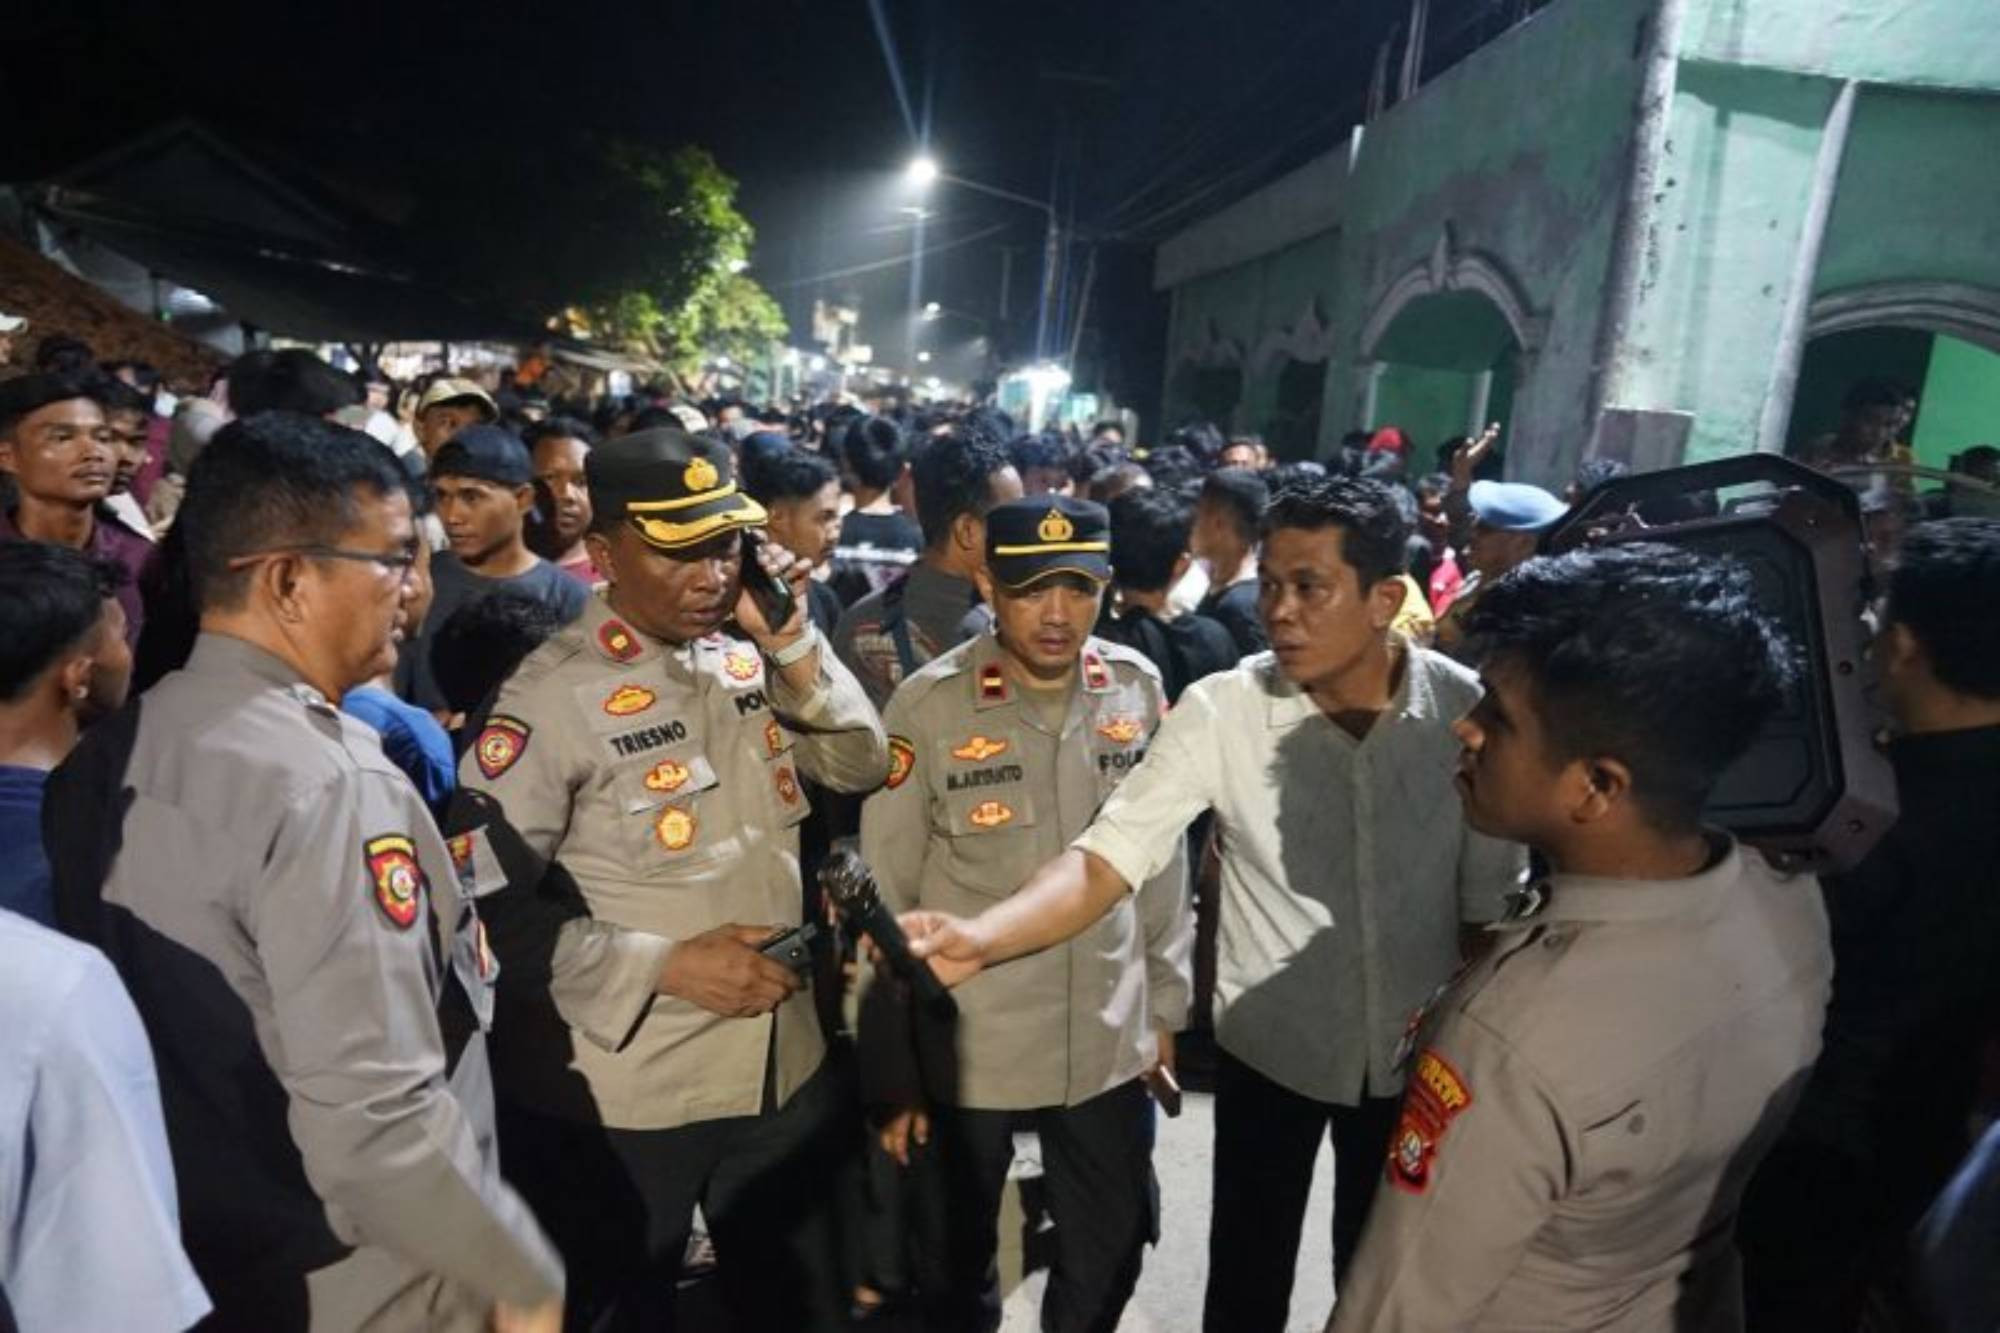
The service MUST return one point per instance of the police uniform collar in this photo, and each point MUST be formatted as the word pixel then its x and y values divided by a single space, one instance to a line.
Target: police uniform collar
pixel 215 651
pixel 1586 898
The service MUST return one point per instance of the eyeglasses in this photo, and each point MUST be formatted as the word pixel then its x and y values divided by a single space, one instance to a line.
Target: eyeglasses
pixel 398 563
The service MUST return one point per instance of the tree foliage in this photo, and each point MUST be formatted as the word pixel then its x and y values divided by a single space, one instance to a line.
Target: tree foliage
pixel 620 240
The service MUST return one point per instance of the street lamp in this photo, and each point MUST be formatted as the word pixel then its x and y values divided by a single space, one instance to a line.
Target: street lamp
pixel 924 171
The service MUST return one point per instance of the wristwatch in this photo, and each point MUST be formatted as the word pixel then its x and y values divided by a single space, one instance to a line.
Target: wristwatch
pixel 797 648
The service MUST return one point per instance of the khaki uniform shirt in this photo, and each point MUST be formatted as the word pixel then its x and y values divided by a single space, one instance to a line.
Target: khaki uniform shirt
pixel 268 837
pixel 1586 1104
pixel 983 791
pixel 667 783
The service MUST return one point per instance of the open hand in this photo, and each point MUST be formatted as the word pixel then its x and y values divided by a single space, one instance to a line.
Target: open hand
pixel 954 947
pixel 722 972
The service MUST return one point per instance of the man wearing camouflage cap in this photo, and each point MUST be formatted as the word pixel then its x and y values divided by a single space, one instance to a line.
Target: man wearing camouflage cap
pixel 631 816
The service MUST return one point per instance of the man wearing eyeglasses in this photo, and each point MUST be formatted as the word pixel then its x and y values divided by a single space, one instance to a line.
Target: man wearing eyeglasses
pixel 285 913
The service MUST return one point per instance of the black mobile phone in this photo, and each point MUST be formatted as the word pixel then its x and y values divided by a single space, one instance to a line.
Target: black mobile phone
pixel 792 947
pixel 1166 1089
pixel 773 594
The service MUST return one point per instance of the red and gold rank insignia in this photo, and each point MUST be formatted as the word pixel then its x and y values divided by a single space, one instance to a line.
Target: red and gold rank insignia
pixel 502 742
pixel 991 814
pixel 992 684
pixel 399 880
pixel 667 776
pixel 629 699
pixel 787 783
pixel 774 737
pixel 675 828
pixel 1434 1097
pixel 1096 675
pixel 979 749
pixel 619 643
pixel 902 759
pixel 739 665
pixel 460 848
pixel 1120 730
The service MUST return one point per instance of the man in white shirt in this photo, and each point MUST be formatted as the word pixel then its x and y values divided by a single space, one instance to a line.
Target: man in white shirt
pixel 89 1225
pixel 1347 873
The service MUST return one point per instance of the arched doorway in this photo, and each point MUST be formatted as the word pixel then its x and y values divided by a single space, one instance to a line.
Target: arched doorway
pixel 1445 365
pixel 1939 341
pixel 1445 349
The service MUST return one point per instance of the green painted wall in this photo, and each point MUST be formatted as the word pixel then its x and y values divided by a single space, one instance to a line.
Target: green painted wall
pixel 1960 405
pixel 1522 151
pixel 1940 43
pixel 1523 168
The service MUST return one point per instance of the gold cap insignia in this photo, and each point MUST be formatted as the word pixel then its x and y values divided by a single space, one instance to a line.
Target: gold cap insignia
pixel 701 475
pixel 1056 527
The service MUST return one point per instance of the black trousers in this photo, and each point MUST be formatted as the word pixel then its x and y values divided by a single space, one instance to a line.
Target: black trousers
pixel 1266 1137
pixel 619 1202
pixel 1097 1159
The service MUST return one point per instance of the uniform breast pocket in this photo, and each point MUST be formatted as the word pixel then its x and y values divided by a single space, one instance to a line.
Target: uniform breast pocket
pixel 994 842
pixel 671 807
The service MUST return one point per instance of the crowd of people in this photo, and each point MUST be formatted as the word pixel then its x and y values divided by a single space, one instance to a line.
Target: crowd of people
pixel 412 800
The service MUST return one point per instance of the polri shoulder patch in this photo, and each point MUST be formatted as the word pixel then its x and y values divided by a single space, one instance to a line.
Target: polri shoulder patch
pixel 1435 1096
pixel 902 760
pixel 503 741
pixel 398 879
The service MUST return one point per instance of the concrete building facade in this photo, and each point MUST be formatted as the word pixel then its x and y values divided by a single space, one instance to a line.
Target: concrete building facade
pixel 1662 229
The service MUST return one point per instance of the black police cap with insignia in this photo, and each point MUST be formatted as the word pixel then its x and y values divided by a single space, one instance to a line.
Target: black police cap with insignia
pixel 675 489
pixel 1028 540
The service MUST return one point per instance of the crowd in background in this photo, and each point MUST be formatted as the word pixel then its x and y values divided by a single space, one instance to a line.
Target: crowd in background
pixel 885 499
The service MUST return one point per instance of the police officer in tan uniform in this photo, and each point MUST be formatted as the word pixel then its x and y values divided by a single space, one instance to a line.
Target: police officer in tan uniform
pixel 1001 752
pixel 1585 1104
pixel 286 916
pixel 634 798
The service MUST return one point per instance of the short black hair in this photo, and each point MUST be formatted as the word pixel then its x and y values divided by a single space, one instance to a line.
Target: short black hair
pixel 1038 451
pixel 481 643
pixel 875 451
pixel 144 374
pixel 1240 495
pixel 953 476
pixel 115 395
pixel 1149 533
pixel 1174 467
pixel 1375 534
pixel 1944 589
pixel 275 479
pixel 558 428
pixel 1293 473
pixel 27 394
pixel 289 380
pixel 789 473
pixel 1660 658
pixel 60 354
pixel 51 599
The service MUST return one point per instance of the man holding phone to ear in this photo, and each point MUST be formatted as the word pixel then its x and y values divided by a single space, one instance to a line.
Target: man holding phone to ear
pixel 630 818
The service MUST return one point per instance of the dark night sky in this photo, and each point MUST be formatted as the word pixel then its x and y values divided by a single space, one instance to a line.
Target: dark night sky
pixel 1141 114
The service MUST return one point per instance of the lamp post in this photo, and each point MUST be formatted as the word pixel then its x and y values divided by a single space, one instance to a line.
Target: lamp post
pixel 924 172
